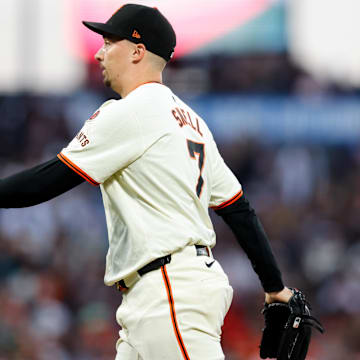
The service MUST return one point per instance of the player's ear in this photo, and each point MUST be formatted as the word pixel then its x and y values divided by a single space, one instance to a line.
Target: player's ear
pixel 138 52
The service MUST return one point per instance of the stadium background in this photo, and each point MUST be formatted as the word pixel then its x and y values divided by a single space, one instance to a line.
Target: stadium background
pixel 278 83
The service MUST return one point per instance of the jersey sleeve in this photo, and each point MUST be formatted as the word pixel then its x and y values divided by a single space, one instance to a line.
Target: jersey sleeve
pixel 108 142
pixel 225 187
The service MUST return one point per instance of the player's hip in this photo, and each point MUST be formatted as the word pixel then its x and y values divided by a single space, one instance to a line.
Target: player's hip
pixel 194 261
pixel 186 299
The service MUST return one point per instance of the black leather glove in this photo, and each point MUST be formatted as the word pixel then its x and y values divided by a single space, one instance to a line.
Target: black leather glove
pixel 287 332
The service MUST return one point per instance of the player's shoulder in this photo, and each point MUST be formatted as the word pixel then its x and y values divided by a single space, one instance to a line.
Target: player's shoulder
pixel 108 106
pixel 115 106
pixel 149 100
pixel 107 103
pixel 149 93
pixel 112 111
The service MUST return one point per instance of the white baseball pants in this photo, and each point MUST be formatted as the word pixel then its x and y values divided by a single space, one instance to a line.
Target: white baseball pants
pixel 175 312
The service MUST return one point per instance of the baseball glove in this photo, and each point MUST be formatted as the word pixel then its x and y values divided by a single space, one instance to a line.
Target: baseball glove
pixel 287 331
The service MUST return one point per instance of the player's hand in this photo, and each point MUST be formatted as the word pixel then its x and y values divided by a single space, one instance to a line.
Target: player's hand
pixel 280 296
pixel 288 326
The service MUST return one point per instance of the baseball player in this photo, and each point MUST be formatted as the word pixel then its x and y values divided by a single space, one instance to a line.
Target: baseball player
pixel 159 171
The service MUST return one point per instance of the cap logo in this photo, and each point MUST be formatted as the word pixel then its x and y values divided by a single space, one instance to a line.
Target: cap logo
pixel 136 35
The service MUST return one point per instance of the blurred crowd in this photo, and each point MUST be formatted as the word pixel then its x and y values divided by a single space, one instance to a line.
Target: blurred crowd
pixel 53 303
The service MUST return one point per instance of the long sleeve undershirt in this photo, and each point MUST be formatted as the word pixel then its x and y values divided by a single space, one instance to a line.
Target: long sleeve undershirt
pixel 252 238
pixel 38 184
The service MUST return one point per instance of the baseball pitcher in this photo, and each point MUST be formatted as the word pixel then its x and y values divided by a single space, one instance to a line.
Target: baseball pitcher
pixel 159 171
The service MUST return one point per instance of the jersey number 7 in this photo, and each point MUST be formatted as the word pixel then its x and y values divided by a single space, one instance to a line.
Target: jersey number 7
pixel 197 148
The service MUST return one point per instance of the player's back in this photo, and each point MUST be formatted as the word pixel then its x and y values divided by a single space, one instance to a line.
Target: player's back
pixel 170 182
pixel 159 170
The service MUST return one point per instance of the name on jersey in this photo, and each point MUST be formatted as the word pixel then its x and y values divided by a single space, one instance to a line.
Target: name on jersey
pixel 183 118
pixel 82 139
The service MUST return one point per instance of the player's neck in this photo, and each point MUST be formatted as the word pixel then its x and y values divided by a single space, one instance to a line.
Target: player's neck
pixel 133 81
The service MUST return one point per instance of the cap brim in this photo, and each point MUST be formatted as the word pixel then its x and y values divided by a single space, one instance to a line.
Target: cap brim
pixel 100 28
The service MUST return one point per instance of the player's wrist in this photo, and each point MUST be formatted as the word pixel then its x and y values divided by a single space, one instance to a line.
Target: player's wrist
pixel 283 295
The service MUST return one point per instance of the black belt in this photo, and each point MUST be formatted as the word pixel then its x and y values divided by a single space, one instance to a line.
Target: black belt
pixel 158 263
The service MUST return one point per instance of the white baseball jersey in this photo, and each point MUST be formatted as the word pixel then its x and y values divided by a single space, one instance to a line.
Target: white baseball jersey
pixel 159 171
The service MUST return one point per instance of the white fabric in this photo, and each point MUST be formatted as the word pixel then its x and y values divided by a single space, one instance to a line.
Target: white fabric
pixel 145 150
pixel 201 296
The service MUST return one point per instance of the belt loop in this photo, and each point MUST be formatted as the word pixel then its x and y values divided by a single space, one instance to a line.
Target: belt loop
pixel 202 250
pixel 128 282
pixel 132 279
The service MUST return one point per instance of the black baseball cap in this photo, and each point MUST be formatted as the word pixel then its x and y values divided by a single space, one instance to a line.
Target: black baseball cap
pixel 140 24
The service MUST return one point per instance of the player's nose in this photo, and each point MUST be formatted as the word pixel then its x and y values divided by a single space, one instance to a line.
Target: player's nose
pixel 99 56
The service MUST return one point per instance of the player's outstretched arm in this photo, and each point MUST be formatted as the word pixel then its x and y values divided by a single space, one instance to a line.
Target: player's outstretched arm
pixel 38 184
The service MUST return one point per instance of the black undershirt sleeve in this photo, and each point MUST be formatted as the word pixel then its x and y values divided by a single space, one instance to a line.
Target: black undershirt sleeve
pixel 38 184
pixel 252 238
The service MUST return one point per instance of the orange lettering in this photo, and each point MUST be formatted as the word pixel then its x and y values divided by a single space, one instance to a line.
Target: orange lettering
pixel 183 118
pixel 198 127
pixel 189 117
pixel 177 118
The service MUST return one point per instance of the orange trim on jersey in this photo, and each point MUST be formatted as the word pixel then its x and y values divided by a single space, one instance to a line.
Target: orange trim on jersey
pixel 228 202
pixel 173 313
pixel 75 168
pixel 148 82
